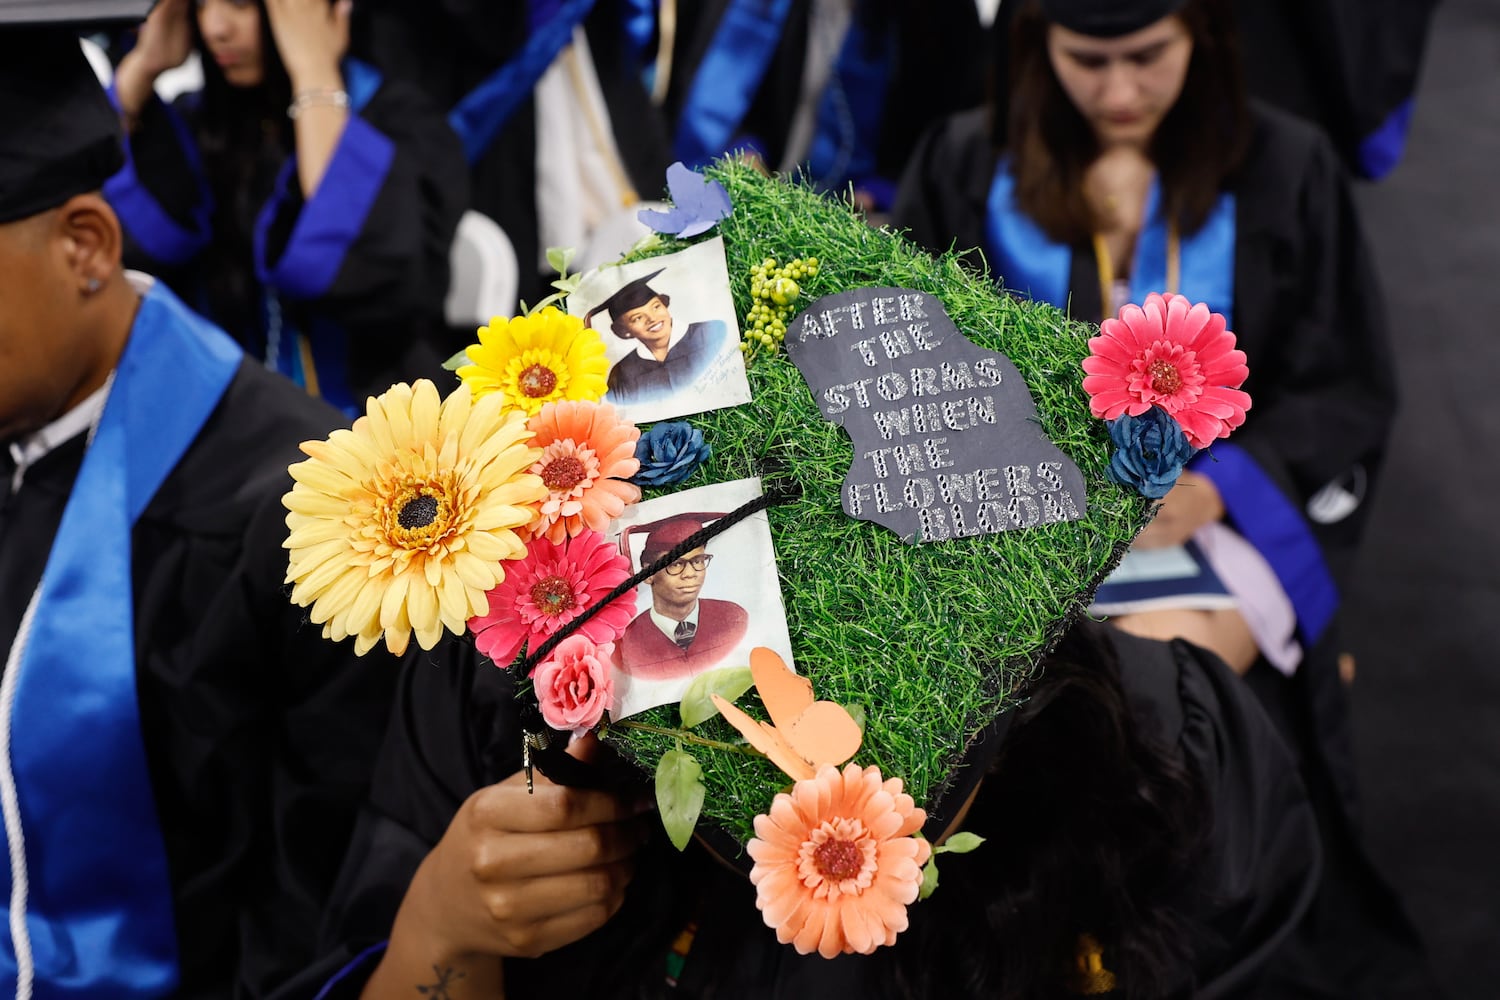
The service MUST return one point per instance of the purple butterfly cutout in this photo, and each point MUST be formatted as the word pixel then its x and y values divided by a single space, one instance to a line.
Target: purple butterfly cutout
pixel 697 204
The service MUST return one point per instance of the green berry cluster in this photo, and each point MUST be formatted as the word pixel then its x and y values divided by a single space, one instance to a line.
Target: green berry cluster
pixel 774 290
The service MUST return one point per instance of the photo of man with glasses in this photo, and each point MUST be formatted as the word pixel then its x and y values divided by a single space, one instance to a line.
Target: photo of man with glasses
pixel 679 635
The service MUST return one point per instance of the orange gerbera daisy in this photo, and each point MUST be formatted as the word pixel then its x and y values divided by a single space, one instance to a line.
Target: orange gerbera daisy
pixel 535 360
pixel 587 454
pixel 836 864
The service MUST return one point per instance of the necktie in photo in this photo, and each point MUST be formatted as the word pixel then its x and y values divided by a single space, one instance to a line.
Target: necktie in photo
pixel 683 634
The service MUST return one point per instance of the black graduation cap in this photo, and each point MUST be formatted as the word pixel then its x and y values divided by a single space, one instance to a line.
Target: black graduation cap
pixel 59 135
pixel 1108 18
pixel 74 12
pixel 632 295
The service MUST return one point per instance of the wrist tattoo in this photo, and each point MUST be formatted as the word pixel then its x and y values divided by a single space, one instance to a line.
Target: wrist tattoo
pixel 441 989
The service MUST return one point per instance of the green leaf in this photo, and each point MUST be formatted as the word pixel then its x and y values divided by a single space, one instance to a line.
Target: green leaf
pixel 960 843
pixel 458 360
pixel 929 878
pixel 726 682
pixel 651 241
pixel 560 259
pixel 679 795
pixel 555 296
pixel 857 713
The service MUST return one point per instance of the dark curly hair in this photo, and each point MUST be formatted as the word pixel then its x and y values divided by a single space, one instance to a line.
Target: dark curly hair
pixel 1091 826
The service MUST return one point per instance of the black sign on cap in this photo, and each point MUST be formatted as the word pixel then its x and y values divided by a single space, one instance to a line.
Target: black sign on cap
pixel 946 441
pixel 1108 18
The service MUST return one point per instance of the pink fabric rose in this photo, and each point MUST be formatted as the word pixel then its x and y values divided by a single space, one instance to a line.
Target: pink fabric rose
pixel 574 685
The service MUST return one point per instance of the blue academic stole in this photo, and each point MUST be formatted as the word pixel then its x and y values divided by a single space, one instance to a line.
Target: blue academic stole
pixel 730 75
pixel 482 113
pixel 1028 261
pixel 94 897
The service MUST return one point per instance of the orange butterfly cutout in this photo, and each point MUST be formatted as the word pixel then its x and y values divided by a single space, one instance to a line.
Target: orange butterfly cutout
pixel 803 733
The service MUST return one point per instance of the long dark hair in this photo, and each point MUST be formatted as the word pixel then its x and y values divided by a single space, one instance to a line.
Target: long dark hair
pixel 1196 149
pixel 244 137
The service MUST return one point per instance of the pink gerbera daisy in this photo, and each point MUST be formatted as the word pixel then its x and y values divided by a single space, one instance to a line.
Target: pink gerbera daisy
pixel 836 864
pixel 548 588
pixel 1172 354
pixel 587 454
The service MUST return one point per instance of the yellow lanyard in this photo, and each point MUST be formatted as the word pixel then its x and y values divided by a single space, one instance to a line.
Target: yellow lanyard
pixel 1106 266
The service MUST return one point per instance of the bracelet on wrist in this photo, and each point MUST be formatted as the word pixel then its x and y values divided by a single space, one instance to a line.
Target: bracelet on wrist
pixel 317 97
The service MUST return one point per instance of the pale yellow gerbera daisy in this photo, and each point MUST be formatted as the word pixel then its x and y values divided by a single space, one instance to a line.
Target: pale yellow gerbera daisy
pixel 401 523
pixel 533 360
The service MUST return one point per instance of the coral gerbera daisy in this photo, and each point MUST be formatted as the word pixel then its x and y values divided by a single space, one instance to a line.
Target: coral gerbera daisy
pixel 548 588
pixel 1172 354
pixel 535 360
pixel 836 864
pixel 587 454
pixel 400 523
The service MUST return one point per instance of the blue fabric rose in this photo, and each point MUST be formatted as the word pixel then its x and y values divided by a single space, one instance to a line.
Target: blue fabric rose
pixel 669 453
pixel 1150 451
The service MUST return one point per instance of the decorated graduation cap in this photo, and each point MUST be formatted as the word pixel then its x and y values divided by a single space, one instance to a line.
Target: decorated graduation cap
pixel 632 295
pixel 1108 18
pixel 920 498
pixel 59 136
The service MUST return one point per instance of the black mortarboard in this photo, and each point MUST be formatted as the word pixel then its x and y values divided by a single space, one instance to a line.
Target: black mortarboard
pixel 632 295
pixel 74 12
pixel 1108 18
pixel 59 135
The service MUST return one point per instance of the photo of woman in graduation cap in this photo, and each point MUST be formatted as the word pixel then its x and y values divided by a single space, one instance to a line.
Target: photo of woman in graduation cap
pixel 665 361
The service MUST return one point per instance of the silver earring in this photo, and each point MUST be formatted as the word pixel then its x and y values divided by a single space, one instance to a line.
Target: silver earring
pixel 92 286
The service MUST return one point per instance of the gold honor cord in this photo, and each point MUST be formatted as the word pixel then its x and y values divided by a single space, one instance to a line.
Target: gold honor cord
pixel 1106 267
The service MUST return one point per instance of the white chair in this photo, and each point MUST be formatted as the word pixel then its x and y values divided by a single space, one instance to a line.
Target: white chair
pixel 181 80
pixel 169 86
pixel 485 276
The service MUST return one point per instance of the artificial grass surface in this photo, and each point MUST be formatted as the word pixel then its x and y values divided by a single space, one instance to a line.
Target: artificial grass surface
pixel 932 640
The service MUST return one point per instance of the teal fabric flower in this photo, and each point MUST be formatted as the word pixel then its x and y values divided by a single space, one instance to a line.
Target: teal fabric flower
pixel 669 453
pixel 1150 451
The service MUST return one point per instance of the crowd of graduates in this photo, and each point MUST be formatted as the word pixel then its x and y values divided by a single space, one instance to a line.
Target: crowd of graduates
pixel 305 199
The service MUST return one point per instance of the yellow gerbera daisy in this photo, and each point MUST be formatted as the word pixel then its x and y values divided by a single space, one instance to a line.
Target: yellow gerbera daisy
pixel 401 523
pixel 534 360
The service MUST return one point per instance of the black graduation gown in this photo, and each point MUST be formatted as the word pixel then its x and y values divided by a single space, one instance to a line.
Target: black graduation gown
pixel 939 69
pixel 258 732
pixel 361 269
pixel 454 730
pixel 1309 314
pixel 1346 65
pixel 450 47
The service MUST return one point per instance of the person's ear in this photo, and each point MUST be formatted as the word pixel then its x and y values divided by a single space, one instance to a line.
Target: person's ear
pixel 93 239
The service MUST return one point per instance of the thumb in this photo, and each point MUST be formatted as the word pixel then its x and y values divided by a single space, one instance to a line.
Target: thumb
pixel 341 13
pixel 584 748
